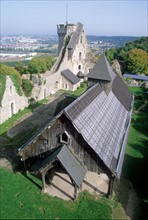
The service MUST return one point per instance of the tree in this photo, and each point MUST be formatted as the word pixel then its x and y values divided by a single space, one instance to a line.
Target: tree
pixel 27 87
pixel 111 54
pixel 21 68
pixel 40 64
pixel 137 61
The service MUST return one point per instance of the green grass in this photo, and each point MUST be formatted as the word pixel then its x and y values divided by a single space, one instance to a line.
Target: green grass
pixel 136 157
pixel 80 90
pixel 11 121
pixel 22 198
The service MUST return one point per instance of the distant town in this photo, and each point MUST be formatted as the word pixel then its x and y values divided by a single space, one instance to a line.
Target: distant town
pixel 20 48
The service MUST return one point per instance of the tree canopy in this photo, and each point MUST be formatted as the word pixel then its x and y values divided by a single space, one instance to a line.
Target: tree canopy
pixel 134 56
pixel 136 61
pixel 40 64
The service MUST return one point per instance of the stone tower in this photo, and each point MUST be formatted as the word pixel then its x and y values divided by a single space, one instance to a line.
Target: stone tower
pixel 62 31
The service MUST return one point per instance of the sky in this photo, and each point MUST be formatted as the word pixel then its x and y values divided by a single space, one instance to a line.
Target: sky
pixel 100 17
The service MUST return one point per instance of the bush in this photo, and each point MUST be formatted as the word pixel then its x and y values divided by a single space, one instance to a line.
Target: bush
pixel 27 87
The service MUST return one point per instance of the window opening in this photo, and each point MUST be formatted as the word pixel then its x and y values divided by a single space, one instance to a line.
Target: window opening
pixel 79 67
pixel 80 56
pixel 64 138
pixel 11 90
pixel 12 109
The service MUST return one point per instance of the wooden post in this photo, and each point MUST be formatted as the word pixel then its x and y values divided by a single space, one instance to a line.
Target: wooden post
pixel 111 186
pixel 43 183
pixel 75 192
pixel 25 167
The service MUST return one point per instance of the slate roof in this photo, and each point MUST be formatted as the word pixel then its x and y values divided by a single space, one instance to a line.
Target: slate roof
pixel 102 121
pixel 68 161
pixel 102 70
pixel 80 74
pixel 70 76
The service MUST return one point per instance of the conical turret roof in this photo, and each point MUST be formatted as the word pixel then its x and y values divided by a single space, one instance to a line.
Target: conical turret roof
pixel 102 70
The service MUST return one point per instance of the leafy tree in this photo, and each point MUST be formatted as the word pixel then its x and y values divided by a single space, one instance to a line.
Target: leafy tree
pixel 27 87
pixel 40 64
pixel 137 61
pixel 111 54
pixel 21 68
pixel 37 65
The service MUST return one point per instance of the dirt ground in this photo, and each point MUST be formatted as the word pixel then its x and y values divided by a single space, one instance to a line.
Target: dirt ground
pixel 62 187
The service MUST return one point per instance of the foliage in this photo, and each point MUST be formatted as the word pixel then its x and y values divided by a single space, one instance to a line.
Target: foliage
pixel 30 203
pixel 14 75
pixel 136 158
pixel 136 61
pixel 120 53
pixel 27 87
pixel 21 68
pixel 40 64
pixel 111 54
pixel 133 55
pixel 2 87
pixel 14 63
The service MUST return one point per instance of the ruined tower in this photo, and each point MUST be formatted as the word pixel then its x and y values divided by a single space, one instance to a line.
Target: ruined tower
pixel 62 31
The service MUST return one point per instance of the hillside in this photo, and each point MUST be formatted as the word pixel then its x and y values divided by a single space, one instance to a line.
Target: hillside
pixel 133 56
pixel 118 41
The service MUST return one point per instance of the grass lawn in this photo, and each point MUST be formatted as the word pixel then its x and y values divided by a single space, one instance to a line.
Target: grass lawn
pixel 136 157
pixel 21 198
pixel 11 121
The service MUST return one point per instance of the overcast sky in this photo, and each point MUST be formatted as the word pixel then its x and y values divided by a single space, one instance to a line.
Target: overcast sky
pixel 102 18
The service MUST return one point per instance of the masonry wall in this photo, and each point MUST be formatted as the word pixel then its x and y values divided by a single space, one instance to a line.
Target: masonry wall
pixel 11 102
pixel 51 81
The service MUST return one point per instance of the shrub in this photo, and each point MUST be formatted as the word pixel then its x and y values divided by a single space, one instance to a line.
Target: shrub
pixel 27 87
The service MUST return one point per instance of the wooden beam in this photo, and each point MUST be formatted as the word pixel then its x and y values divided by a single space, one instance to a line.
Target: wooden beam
pixel 75 192
pixel 111 187
pixel 43 183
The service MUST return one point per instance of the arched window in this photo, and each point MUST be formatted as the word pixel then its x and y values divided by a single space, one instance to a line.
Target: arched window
pixel 66 86
pixel 80 56
pixel 79 67
pixel 81 39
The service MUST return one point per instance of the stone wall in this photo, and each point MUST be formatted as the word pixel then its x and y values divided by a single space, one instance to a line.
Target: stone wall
pixel 51 81
pixel 11 102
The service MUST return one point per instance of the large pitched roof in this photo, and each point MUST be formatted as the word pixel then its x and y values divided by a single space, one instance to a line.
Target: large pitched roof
pixel 68 161
pixel 70 76
pixel 102 70
pixel 102 121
